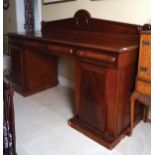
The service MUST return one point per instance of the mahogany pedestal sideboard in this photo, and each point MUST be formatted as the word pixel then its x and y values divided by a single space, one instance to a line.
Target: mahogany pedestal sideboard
pixel 105 54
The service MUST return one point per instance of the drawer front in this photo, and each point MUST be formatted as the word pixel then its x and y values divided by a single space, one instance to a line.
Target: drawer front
pixel 144 68
pixel 58 49
pixel 34 44
pixel 96 56
pixel 16 42
pixel 143 87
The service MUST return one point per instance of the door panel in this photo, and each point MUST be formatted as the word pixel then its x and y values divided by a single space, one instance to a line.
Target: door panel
pixel 40 69
pixel 17 64
pixel 92 96
pixel 98 97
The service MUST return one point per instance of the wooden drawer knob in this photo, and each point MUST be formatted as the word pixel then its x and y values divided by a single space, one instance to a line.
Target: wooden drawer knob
pixel 71 51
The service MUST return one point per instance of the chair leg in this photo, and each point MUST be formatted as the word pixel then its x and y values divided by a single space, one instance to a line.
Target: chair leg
pixel 146 100
pixel 146 113
pixel 132 103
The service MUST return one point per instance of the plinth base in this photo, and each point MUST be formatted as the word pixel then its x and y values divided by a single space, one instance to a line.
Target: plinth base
pixel 26 92
pixel 94 134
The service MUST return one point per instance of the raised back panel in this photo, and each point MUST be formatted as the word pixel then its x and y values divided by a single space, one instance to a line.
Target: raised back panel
pixel 83 21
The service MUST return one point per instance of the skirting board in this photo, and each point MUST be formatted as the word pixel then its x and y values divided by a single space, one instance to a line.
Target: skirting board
pixel 66 83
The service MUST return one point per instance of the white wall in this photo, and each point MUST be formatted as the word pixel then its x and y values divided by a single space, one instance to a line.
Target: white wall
pixel 13 20
pixel 13 17
pixel 9 23
pixel 129 11
pixel 9 18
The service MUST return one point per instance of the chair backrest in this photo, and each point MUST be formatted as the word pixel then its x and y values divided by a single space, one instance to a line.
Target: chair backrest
pixel 9 137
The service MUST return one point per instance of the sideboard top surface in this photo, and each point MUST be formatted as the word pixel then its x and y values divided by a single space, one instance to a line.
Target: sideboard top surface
pixel 84 31
pixel 104 41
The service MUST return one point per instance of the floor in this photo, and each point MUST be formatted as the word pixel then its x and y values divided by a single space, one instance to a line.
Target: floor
pixel 42 129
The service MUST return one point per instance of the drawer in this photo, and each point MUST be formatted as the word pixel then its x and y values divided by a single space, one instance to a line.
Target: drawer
pixel 16 42
pixel 34 44
pixel 143 87
pixel 59 49
pixel 96 56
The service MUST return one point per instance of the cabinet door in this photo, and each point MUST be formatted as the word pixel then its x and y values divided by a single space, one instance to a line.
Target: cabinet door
pixel 97 96
pixel 17 64
pixel 40 70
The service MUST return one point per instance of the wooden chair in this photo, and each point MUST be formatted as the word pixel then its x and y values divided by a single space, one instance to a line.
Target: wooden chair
pixel 142 91
pixel 9 138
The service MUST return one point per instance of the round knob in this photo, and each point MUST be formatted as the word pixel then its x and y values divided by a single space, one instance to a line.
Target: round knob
pixel 71 51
